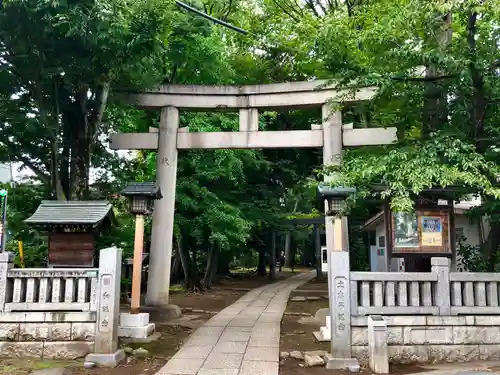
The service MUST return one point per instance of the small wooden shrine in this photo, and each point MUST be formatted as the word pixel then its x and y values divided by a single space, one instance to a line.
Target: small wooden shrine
pixel 73 227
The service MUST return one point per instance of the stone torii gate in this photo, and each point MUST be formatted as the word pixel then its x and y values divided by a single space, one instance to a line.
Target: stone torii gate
pixel 169 138
pixel 330 134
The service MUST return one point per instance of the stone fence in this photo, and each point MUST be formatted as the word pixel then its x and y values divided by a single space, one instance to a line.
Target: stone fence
pixel 430 316
pixel 40 289
pixel 59 313
pixel 439 292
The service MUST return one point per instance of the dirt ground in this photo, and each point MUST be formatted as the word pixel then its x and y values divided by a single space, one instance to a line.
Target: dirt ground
pixel 315 285
pixel 195 307
pixel 313 288
pixel 297 334
pixel 225 293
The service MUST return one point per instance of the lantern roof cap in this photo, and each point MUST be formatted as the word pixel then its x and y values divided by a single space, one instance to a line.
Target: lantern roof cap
pixel 144 189
pixel 72 213
pixel 339 192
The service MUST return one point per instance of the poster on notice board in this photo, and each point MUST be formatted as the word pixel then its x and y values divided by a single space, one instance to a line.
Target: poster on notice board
pixel 432 231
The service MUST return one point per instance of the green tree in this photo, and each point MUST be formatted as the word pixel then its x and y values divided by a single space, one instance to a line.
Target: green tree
pixel 436 67
pixel 60 61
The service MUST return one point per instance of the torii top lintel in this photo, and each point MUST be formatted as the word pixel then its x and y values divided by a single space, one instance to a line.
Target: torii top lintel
pixel 248 100
pixel 275 95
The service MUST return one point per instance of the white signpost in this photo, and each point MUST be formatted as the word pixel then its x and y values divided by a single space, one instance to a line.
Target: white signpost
pixel 3 219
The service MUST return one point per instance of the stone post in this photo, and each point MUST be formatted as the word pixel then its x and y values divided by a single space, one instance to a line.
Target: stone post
pixel 340 312
pixel 442 295
pixel 106 352
pixel 6 263
pixel 338 255
pixel 317 252
pixel 377 345
pixel 332 135
pixel 163 216
pixel 249 119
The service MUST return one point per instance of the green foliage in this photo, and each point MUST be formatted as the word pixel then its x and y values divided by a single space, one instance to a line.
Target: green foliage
pixel 60 61
pixel 471 258
pixel 385 43
pixel 405 171
pixel 22 202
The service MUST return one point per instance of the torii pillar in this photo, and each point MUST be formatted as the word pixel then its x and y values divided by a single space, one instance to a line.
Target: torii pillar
pixel 162 234
pixel 337 242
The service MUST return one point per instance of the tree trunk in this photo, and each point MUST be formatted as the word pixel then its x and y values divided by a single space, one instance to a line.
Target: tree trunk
pixel 435 113
pixel 272 257
pixel 176 269
pixel 223 263
pixel 216 265
pixel 261 268
pixel 288 240
pixel 288 247
pixel 211 266
pixel 191 279
pixel 317 252
pixel 80 148
pixel 64 162
pixel 292 253
pixel 479 102
pixel 490 247
pixel 195 258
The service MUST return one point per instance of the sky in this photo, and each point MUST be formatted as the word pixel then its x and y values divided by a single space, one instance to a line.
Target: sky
pixel 19 173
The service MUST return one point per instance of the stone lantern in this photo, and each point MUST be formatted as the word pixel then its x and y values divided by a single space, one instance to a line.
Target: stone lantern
pixel 141 197
pixel 334 198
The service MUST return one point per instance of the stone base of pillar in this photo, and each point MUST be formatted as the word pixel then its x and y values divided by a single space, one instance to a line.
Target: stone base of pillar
pixel 131 340
pixel 321 336
pixel 135 326
pixel 106 360
pixel 351 364
pixel 162 313
pixel 325 332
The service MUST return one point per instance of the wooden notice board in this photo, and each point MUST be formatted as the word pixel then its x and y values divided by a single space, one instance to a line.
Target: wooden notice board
pixel 71 249
pixel 423 231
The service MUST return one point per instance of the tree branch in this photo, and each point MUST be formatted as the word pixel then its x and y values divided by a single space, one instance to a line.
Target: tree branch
pixel 98 111
pixel 495 65
pixel 423 79
pixel 478 107
pixel 310 4
pixel 287 12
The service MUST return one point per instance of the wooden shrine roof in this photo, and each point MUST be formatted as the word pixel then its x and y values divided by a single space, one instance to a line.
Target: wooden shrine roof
pixel 71 213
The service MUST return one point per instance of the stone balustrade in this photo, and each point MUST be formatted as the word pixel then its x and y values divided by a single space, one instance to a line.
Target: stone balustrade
pixel 393 293
pixel 430 316
pixel 439 292
pixel 40 289
pixel 474 293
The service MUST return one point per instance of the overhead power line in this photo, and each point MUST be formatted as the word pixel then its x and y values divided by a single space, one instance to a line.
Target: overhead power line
pixel 213 19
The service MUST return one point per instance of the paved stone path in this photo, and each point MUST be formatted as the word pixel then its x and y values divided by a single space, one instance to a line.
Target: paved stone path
pixel 243 339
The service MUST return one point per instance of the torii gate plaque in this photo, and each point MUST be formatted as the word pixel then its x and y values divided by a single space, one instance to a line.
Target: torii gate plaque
pixel 169 138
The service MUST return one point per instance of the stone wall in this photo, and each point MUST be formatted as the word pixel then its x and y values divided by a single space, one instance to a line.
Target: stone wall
pixel 414 339
pixel 47 335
